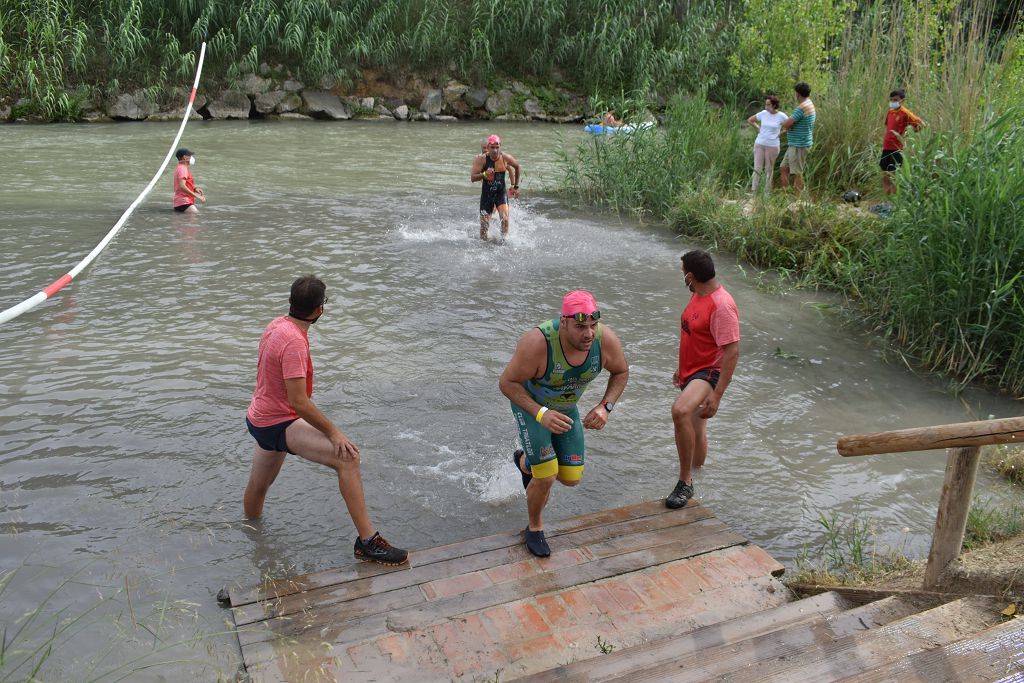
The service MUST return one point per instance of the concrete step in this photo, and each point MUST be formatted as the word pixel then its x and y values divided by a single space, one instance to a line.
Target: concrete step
pixel 779 645
pixel 808 654
pixel 623 663
pixel 995 654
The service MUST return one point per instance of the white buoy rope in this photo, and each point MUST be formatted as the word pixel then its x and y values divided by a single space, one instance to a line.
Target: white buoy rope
pixel 58 284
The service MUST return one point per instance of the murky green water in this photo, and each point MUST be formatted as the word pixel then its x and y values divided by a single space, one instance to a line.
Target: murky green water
pixel 124 455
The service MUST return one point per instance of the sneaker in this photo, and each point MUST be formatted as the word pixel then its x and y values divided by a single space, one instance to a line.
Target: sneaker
pixel 536 542
pixel 379 550
pixel 517 458
pixel 680 494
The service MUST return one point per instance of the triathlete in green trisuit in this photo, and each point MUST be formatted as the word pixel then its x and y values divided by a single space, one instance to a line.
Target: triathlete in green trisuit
pixel 551 366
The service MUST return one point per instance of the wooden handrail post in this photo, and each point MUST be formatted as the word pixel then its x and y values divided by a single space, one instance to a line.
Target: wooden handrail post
pixel 951 519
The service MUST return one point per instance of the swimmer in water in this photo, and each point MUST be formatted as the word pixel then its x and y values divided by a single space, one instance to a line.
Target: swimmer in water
pixel 490 168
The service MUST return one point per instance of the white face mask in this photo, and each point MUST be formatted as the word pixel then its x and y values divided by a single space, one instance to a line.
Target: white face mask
pixel 191 161
pixel 894 105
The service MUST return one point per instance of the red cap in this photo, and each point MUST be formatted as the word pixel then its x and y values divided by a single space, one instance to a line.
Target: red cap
pixel 578 301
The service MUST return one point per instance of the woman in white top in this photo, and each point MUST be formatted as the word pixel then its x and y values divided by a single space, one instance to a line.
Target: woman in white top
pixel 766 147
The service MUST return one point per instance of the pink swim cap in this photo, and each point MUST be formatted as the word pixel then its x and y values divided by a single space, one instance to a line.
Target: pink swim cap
pixel 578 301
pixel 494 138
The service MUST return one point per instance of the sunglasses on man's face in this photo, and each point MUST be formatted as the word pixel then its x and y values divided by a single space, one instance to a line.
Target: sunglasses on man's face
pixel 582 317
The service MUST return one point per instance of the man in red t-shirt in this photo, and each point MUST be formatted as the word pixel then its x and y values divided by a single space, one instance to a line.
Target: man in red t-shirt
pixel 283 419
pixel 709 346
pixel 896 121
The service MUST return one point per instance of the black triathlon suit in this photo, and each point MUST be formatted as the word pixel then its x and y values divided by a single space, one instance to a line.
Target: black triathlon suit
pixel 492 194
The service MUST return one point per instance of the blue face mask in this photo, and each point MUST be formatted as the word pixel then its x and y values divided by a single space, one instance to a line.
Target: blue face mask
pixel 894 105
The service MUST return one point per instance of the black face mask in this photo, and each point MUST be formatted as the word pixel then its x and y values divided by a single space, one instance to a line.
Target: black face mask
pixel 311 321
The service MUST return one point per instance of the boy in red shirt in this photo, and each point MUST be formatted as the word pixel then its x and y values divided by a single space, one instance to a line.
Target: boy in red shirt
pixel 896 121
pixel 185 191
pixel 709 346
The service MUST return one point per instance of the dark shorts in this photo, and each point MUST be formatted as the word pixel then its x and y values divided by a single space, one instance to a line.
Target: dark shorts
pixel 183 208
pixel 707 374
pixel 270 438
pixel 891 160
pixel 491 200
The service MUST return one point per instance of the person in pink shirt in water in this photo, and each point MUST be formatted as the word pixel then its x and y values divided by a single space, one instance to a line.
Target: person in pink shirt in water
pixel 283 419
pixel 185 191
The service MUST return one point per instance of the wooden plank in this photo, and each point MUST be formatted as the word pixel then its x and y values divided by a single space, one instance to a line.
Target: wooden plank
pixel 635 531
pixel 980 433
pixel 951 518
pixel 280 587
pixel 337 632
pixel 994 654
pixel 407 597
pixel 623 663
pixel 737 658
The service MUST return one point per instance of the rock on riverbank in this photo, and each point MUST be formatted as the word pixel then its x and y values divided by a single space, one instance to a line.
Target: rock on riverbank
pixel 275 93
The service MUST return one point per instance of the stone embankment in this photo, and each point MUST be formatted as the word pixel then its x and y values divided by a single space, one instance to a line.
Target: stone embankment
pixel 273 93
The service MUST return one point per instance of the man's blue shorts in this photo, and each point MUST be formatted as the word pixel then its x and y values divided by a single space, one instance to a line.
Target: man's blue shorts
pixel 270 438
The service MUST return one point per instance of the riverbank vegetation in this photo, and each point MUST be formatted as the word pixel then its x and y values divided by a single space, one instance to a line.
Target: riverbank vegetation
pixel 590 45
pixel 943 276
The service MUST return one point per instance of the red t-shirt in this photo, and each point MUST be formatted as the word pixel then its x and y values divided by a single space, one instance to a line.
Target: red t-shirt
pixel 283 354
pixel 896 122
pixel 180 197
pixel 708 323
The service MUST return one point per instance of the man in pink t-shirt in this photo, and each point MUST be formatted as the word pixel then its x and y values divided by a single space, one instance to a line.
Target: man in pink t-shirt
pixel 185 191
pixel 709 346
pixel 283 419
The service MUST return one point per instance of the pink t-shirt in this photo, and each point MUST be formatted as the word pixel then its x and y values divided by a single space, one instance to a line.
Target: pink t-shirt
pixel 180 198
pixel 283 354
pixel 708 323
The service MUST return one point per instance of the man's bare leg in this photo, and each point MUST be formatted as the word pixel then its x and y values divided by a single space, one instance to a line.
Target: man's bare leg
pixel 265 467
pixel 311 444
pixel 537 494
pixel 798 184
pixel 503 214
pixel 784 176
pixel 684 413
pixel 700 441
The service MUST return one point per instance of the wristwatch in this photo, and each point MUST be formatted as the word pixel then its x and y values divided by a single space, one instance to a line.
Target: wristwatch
pixel 608 405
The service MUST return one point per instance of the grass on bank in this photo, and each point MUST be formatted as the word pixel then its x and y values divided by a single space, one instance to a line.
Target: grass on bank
pixel 944 276
pixel 850 553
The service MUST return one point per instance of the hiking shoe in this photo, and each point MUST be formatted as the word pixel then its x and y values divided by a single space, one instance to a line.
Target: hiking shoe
pixel 680 494
pixel 379 550
pixel 517 458
pixel 536 543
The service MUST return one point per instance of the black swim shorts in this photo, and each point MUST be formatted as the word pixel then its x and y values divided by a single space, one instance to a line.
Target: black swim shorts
pixel 491 199
pixel 182 208
pixel 709 375
pixel 270 438
pixel 891 160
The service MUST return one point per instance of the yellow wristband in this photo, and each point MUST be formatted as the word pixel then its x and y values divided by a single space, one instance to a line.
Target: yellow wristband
pixel 540 413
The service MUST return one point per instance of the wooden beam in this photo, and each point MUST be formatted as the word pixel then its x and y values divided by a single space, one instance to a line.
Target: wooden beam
pixel 980 433
pixel 951 519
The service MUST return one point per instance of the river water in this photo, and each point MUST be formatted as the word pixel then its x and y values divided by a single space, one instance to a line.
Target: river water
pixel 123 454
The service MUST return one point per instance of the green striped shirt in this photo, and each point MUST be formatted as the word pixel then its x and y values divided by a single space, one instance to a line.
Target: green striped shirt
pixel 802 132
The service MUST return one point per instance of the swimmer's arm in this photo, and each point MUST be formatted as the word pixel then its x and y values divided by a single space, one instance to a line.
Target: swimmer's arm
pixel 305 408
pixel 518 177
pixel 614 361
pixel 529 361
pixel 476 172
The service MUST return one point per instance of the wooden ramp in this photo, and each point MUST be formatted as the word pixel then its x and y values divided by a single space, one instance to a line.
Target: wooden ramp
pixel 486 609
pixel 638 593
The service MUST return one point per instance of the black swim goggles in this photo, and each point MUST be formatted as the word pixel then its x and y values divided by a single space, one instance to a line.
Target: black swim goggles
pixel 582 317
